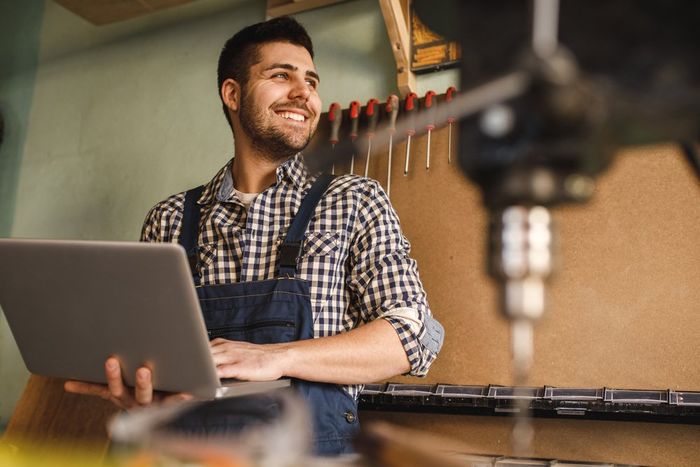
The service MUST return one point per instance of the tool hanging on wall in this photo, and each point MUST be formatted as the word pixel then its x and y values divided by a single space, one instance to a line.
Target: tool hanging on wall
pixel 392 110
pixel 429 105
pixel 415 116
pixel 354 121
pixel 372 113
pixel 335 117
pixel 450 121
pixel 409 108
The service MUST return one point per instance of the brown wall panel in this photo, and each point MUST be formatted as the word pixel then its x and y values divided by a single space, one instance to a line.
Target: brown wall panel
pixel 623 308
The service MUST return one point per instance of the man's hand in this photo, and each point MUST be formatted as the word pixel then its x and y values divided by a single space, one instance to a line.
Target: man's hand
pixel 246 361
pixel 120 395
pixel 371 352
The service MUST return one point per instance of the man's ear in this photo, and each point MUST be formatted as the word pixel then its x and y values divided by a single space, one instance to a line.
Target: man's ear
pixel 231 94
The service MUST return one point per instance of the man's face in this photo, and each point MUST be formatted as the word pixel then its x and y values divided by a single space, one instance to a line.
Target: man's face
pixel 280 106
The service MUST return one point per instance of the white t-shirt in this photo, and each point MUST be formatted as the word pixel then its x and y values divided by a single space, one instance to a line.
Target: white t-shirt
pixel 246 198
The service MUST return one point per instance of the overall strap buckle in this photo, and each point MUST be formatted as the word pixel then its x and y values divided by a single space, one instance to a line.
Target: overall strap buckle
pixel 291 248
pixel 289 255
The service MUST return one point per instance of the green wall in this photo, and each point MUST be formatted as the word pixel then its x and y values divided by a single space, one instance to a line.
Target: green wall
pixel 20 24
pixel 124 115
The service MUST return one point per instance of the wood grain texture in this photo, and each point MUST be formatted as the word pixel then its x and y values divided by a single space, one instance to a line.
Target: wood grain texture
pixel 573 440
pixel 48 416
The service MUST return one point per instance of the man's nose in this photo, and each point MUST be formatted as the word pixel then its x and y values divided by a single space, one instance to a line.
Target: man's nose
pixel 300 89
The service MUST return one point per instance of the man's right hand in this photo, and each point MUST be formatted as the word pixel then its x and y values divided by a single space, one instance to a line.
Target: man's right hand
pixel 119 394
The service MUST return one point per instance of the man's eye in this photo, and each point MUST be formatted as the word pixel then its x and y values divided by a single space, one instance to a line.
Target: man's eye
pixel 280 75
pixel 312 83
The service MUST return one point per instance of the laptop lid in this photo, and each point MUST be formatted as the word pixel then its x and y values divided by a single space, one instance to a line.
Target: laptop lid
pixel 71 304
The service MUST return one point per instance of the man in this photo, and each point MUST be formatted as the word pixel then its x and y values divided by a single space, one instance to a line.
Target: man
pixel 365 305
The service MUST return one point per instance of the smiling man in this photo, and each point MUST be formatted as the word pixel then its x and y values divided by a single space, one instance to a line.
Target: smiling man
pixel 299 275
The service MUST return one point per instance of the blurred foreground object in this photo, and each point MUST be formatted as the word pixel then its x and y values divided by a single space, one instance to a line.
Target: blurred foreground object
pixel 387 445
pixel 597 77
pixel 263 429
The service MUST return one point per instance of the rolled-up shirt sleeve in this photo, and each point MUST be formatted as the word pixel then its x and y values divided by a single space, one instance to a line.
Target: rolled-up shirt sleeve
pixel 385 282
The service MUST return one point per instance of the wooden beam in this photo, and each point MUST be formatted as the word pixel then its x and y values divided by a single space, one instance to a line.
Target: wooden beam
pixel 397 28
pixel 100 12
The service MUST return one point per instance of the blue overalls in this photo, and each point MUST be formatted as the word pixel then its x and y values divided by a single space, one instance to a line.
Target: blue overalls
pixel 274 311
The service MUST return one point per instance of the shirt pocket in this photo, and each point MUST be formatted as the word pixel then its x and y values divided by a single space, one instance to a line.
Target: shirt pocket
pixel 318 244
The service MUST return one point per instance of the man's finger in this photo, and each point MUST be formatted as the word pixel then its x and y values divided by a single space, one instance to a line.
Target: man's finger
pixel 114 379
pixel 219 349
pixel 87 389
pixel 228 371
pixel 179 397
pixel 144 386
pixel 224 358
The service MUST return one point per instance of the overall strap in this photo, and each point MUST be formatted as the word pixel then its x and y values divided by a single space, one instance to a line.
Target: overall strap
pixel 291 247
pixel 189 229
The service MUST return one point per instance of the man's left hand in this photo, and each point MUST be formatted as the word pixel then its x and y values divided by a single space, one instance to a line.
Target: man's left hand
pixel 246 361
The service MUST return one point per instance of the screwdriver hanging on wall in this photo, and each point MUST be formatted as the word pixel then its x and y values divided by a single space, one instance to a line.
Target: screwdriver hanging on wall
pixel 429 105
pixel 409 108
pixel 354 121
pixel 392 110
pixel 451 91
pixel 335 117
pixel 372 113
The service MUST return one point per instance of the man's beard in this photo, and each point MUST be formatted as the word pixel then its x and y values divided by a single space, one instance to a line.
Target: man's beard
pixel 273 143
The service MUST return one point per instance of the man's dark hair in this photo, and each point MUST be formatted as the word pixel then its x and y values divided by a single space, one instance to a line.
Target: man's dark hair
pixel 240 52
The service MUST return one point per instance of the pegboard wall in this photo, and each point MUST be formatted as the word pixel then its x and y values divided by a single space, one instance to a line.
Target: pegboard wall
pixel 623 309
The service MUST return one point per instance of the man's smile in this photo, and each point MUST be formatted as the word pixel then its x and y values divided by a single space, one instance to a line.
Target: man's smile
pixel 297 117
pixel 292 113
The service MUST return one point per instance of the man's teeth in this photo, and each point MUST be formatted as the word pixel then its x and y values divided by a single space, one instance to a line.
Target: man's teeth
pixel 292 116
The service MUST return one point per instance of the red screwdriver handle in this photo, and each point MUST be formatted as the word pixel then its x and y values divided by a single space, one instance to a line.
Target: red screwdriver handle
pixel 335 117
pixel 449 95
pixel 392 110
pixel 372 113
pixel 354 118
pixel 430 105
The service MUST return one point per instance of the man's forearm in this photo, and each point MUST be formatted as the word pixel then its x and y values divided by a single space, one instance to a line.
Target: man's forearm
pixel 371 352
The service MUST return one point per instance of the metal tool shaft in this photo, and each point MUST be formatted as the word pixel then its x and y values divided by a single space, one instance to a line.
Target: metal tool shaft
pixel 427 152
pixel 369 152
pixel 388 171
pixel 408 155
pixel 449 143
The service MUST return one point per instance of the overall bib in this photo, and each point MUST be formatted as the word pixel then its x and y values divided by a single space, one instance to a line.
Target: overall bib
pixel 272 311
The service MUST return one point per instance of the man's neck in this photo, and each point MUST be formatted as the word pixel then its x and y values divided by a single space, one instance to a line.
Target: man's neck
pixel 253 173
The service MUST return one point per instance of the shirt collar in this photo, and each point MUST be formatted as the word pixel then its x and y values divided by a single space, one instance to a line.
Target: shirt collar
pixel 294 170
pixel 220 188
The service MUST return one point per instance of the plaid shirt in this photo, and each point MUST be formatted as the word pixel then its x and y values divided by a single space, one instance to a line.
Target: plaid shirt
pixel 354 255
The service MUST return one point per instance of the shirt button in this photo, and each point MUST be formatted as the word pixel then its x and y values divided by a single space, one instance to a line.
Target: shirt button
pixel 349 417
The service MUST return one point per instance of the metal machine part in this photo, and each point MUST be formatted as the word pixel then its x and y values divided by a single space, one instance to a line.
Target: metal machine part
pixel 521 258
pixel 623 72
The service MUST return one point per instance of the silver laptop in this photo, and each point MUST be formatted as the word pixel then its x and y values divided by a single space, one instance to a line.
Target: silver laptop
pixel 71 304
